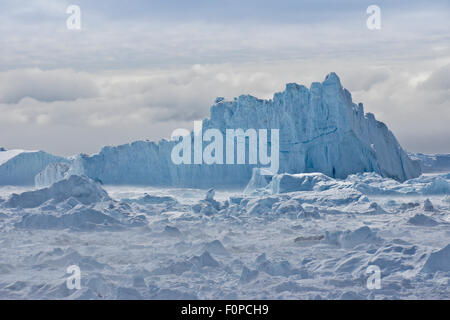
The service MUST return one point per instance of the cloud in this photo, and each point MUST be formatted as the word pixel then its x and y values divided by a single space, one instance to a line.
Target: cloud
pixel 366 80
pixel 417 111
pixel 112 39
pixel 33 10
pixel 149 104
pixel 46 86
pixel 438 80
pixel 140 69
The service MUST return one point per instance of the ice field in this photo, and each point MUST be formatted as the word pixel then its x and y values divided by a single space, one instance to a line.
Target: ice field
pixel 315 242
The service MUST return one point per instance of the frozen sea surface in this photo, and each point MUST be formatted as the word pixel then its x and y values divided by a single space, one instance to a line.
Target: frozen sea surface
pixel 149 243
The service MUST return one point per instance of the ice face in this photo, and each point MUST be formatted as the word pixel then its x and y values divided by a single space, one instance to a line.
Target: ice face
pixel 321 130
pixel 52 173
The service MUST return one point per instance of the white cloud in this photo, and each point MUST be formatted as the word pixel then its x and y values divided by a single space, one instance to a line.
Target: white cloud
pixel 149 104
pixel 438 80
pixel 45 86
pixel 125 78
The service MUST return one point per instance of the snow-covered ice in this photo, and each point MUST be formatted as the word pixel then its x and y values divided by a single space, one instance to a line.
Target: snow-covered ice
pixel 313 240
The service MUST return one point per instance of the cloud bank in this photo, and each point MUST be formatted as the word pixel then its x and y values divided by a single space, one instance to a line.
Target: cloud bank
pixel 140 70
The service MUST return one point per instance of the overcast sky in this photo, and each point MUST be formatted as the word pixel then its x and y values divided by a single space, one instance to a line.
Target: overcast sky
pixel 139 69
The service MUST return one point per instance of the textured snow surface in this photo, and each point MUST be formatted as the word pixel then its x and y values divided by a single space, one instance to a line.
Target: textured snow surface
pixel 321 130
pixel 315 240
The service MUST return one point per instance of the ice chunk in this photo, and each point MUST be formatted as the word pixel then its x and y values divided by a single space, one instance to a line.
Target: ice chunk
pixel 428 206
pixel 438 261
pixel 350 239
pixel 284 183
pixel 257 182
pixel 276 268
pixel 171 231
pixel 205 207
pixel 216 247
pixel 422 220
pixel 261 206
pixel 438 185
pixel 80 188
pixel 289 206
pixel 205 260
pixel 209 206
pixel 375 208
pixel 210 195
pixel 248 275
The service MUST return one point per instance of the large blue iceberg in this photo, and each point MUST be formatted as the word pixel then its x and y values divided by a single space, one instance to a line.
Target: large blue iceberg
pixel 321 130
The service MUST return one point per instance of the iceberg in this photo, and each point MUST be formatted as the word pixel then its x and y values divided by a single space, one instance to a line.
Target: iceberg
pixel 432 162
pixel 321 130
pixel 19 167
